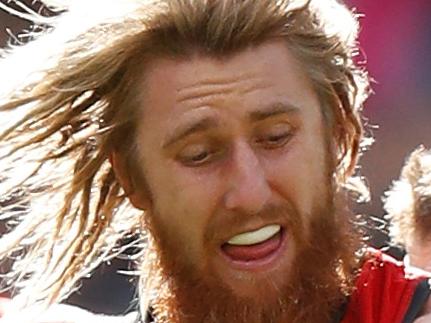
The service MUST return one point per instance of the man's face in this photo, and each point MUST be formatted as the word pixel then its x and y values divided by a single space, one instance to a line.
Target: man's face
pixel 234 155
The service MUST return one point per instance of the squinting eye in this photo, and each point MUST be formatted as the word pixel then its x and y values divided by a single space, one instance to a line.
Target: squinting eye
pixel 199 157
pixel 275 139
pixel 195 156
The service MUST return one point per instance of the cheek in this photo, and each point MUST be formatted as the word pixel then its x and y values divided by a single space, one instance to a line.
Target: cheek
pixel 300 174
pixel 188 190
pixel 184 201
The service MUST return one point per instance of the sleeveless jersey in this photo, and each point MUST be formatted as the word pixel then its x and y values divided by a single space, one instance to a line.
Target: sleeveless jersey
pixel 386 292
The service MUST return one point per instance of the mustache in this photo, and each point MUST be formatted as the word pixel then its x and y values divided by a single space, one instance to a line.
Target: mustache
pixel 285 214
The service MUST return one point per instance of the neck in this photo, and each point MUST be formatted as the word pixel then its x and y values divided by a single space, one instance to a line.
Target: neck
pixel 419 255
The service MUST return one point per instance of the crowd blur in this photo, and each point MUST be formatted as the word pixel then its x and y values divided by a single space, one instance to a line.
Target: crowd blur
pixel 396 46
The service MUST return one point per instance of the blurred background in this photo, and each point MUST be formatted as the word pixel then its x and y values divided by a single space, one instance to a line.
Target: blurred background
pixel 396 43
pixel 395 39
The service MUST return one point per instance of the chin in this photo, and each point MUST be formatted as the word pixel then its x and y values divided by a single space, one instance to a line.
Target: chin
pixel 262 288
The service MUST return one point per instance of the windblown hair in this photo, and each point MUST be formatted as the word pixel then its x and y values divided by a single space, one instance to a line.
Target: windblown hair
pixel 68 100
pixel 408 202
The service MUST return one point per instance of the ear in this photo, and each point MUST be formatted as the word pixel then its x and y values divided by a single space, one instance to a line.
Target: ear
pixel 139 197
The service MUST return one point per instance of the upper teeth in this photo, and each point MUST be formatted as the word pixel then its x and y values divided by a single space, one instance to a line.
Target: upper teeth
pixel 257 236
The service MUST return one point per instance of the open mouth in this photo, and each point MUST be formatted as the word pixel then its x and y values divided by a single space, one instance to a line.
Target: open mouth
pixel 254 248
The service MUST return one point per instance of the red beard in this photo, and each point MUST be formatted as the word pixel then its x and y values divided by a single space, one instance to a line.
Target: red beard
pixel 320 278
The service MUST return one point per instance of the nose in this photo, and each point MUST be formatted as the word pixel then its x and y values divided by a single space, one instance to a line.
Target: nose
pixel 249 190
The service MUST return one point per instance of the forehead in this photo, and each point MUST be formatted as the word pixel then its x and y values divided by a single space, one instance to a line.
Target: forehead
pixel 252 77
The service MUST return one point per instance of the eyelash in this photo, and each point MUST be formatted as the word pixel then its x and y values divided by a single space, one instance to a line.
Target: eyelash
pixel 206 156
pixel 275 141
pixel 194 160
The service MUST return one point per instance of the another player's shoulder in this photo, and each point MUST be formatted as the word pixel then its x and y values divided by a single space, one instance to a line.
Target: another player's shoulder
pixel 377 263
pixel 385 288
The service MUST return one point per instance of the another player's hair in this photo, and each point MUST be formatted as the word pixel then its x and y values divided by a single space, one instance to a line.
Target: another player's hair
pixel 69 98
pixel 408 202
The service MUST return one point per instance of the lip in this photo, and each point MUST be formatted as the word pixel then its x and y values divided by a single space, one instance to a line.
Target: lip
pixel 258 265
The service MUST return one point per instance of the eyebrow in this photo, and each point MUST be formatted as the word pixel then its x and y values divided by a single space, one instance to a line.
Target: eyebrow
pixel 274 110
pixel 208 123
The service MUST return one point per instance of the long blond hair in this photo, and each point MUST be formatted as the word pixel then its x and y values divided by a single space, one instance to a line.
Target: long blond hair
pixel 69 101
